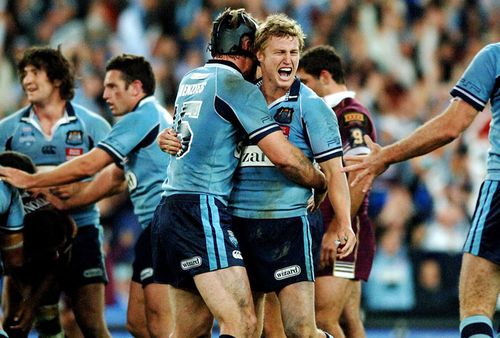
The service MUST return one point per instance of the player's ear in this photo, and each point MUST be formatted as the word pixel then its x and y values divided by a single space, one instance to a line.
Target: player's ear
pixel 325 77
pixel 136 87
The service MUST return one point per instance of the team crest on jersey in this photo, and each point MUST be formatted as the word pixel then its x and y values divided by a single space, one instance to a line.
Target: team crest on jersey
pixel 354 117
pixel 284 115
pixel 74 137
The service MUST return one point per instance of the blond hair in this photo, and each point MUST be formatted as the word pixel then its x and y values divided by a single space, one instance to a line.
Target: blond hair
pixel 279 25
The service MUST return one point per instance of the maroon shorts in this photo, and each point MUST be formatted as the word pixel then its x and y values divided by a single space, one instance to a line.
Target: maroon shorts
pixel 358 264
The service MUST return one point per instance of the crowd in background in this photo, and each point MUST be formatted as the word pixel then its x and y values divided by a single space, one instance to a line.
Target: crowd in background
pixel 401 57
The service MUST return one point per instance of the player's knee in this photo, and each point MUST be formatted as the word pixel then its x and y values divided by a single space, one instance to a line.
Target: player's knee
pixel 47 321
pixel 300 328
pixel 134 326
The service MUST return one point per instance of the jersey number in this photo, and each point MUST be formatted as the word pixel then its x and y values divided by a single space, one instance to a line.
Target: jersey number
pixel 185 135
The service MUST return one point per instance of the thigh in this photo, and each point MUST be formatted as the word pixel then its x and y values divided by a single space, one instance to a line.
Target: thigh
pixel 331 295
pixel 136 304
pixel 191 315
pixel 297 305
pixel 226 293
pixel 88 306
pixel 273 323
pixel 277 252
pixel 158 309
pixel 479 286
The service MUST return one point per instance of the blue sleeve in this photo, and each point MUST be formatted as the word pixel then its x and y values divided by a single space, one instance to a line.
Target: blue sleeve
pixel 127 133
pixel 97 127
pixel 477 84
pixel 11 205
pixel 248 111
pixel 322 129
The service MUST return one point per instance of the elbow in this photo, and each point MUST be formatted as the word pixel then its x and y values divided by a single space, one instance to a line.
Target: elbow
pixel 451 134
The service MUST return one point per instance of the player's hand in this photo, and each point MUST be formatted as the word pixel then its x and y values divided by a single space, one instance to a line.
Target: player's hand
pixel 66 191
pixel 58 203
pixel 168 141
pixel 23 320
pixel 329 246
pixel 346 240
pixel 315 201
pixel 16 177
pixel 369 166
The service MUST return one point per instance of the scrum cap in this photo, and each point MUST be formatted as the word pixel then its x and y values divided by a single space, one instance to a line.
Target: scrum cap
pixel 228 31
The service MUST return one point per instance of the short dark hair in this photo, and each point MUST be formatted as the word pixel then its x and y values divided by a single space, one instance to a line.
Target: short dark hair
pixel 134 68
pixel 17 160
pixel 53 62
pixel 323 57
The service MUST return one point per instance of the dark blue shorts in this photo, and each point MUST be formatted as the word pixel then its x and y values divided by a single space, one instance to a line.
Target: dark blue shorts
pixel 317 231
pixel 277 252
pixel 142 268
pixel 87 259
pixel 483 239
pixel 192 234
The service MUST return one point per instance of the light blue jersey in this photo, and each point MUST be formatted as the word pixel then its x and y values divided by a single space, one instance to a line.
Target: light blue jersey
pixel 132 144
pixel 480 83
pixel 261 190
pixel 76 133
pixel 11 208
pixel 215 107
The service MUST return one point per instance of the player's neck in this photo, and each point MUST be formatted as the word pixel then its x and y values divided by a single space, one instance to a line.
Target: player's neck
pixel 272 92
pixel 51 110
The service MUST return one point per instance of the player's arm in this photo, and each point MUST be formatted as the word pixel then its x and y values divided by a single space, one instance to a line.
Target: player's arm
pixel 339 231
pixel 291 161
pixel 109 181
pixel 78 168
pixel 11 247
pixel 435 133
pixel 285 156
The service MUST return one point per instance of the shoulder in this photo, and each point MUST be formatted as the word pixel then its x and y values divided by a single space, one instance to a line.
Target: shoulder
pixel 13 118
pixel 88 115
pixel 310 101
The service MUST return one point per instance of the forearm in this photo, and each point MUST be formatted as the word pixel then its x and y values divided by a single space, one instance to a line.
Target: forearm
pixel 108 182
pixel 338 191
pixel 81 167
pixel 435 133
pixel 300 170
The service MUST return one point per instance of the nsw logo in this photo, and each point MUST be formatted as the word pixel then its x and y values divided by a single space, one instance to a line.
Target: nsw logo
pixel 191 263
pixel 289 271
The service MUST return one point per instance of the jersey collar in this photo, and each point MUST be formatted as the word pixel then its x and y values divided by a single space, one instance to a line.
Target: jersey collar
pixel 217 62
pixel 143 101
pixel 334 99
pixel 291 95
pixel 28 114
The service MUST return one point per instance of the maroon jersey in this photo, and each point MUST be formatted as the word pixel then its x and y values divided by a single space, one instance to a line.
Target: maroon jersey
pixel 355 121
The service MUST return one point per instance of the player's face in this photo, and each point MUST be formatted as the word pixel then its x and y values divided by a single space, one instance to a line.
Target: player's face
pixel 279 61
pixel 117 94
pixel 310 81
pixel 37 86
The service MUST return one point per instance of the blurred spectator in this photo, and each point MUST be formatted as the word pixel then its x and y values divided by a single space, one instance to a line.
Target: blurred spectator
pixel 401 56
pixel 433 296
pixel 390 287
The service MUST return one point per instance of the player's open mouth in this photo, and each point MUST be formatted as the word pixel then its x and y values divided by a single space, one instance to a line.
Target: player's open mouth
pixel 285 72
